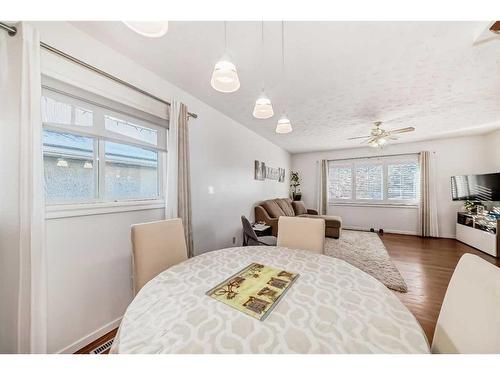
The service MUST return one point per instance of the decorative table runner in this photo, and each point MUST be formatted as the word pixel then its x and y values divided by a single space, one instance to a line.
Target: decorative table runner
pixel 255 290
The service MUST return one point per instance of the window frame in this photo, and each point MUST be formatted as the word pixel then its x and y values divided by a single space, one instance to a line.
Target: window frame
pixel 384 161
pixel 100 135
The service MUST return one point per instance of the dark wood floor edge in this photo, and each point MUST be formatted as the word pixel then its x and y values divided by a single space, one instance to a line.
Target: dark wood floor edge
pixel 96 343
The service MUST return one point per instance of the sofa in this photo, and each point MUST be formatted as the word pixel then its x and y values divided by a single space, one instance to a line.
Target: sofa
pixel 270 210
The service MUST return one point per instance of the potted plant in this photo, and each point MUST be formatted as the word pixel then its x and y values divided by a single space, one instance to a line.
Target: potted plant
pixel 295 186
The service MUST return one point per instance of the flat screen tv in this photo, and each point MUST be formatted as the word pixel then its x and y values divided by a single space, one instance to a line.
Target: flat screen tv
pixel 476 187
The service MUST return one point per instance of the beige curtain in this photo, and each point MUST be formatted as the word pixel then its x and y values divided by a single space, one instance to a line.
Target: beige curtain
pixel 184 179
pixel 428 210
pixel 323 187
pixel 178 171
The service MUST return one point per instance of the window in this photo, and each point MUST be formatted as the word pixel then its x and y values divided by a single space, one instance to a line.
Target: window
pixel 341 182
pixel 402 181
pixel 69 167
pixel 131 172
pixel 129 129
pixel 384 180
pixel 369 182
pixel 95 154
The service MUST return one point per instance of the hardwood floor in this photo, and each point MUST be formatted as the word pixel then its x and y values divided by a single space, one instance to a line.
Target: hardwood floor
pixel 95 344
pixel 426 264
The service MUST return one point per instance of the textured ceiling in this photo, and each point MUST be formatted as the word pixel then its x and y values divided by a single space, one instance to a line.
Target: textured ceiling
pixel 339 78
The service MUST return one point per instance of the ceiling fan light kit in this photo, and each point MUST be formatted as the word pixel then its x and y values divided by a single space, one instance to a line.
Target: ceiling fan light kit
pixel 148 29
pixel 378 137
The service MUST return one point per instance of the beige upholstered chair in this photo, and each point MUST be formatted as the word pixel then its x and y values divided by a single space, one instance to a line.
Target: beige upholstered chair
pixel 156 246
pixel 469 321
pixel 302 233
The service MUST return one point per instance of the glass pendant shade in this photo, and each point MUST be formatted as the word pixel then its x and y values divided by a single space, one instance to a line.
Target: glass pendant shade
pixel 225 77
pixel 376 143
pixel 88 165
pixel 263 108
pixel 149 29
pixel 284 126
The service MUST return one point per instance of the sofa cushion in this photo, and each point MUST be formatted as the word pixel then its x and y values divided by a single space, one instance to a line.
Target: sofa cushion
pixel 330 221
pixel 299 207
pixel 286 206
pixel 272 208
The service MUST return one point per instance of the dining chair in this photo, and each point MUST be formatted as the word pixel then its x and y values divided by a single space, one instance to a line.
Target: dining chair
pixel 469 320
pixel 156 246
pixel 302 233
pixel 250 238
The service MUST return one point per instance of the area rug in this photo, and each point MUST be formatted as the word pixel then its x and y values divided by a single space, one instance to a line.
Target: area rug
pixel 366 251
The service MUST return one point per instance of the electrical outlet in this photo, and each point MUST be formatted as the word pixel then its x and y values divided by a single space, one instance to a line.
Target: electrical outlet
pixel 234 240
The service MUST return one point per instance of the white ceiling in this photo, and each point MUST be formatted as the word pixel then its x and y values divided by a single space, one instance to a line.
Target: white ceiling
pixel 340 76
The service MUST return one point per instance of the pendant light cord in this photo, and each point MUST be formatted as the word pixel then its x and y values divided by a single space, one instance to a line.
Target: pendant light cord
pixel 283 60
pixel 283 46
pixel 262 54
pixel 225 37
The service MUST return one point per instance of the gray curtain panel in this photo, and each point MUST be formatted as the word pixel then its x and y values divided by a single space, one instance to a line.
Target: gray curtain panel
pixel 183 178
pixel 323 187
pixel 428 217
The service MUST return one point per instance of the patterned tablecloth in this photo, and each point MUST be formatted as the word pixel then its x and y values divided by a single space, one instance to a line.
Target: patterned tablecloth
pixel 333 307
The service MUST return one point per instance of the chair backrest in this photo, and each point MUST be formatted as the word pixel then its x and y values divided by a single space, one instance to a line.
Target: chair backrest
pixel 469 320
pixel 302 233
pixel 156 246
pixel 247 229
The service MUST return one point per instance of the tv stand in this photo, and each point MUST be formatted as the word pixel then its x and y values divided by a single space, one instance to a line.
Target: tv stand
pixel 479 231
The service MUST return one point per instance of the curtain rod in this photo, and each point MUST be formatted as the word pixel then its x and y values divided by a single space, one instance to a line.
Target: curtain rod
pixel 376 157
pixel 12 31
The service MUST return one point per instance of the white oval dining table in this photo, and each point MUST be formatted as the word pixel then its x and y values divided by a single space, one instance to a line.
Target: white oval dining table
pixel 333 307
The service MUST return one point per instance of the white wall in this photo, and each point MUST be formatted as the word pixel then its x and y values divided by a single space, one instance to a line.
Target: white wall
pixel 89 256
pixel 89 268
pixel 492 148
pixel 454 156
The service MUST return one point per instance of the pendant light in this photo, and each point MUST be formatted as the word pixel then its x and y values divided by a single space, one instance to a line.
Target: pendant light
pixel 284 125
pixel 263 108
pixel 225 77
pixel 148 29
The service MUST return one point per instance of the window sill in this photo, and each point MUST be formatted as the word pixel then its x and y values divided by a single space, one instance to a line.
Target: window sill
pixel 381 205
pixel 88 209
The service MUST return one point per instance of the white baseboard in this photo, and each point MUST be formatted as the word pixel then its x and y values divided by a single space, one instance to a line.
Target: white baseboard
pixel 70 349
pixel 395 231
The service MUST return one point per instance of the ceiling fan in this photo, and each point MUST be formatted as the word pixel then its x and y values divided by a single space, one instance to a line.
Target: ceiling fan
pixel 379 137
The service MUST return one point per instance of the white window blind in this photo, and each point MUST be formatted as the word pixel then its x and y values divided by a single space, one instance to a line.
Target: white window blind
pixel 403 181
pixel 369 182
pixel 340 186
pixel 384 180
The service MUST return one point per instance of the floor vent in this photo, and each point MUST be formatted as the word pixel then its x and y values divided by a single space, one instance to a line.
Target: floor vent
pixel 103 347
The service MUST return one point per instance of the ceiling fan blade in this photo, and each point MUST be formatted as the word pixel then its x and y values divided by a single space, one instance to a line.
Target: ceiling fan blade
pixel 392 138
pixel 402 130
pixel 366 136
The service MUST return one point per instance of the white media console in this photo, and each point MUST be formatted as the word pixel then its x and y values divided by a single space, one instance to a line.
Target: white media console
pixel 479 231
